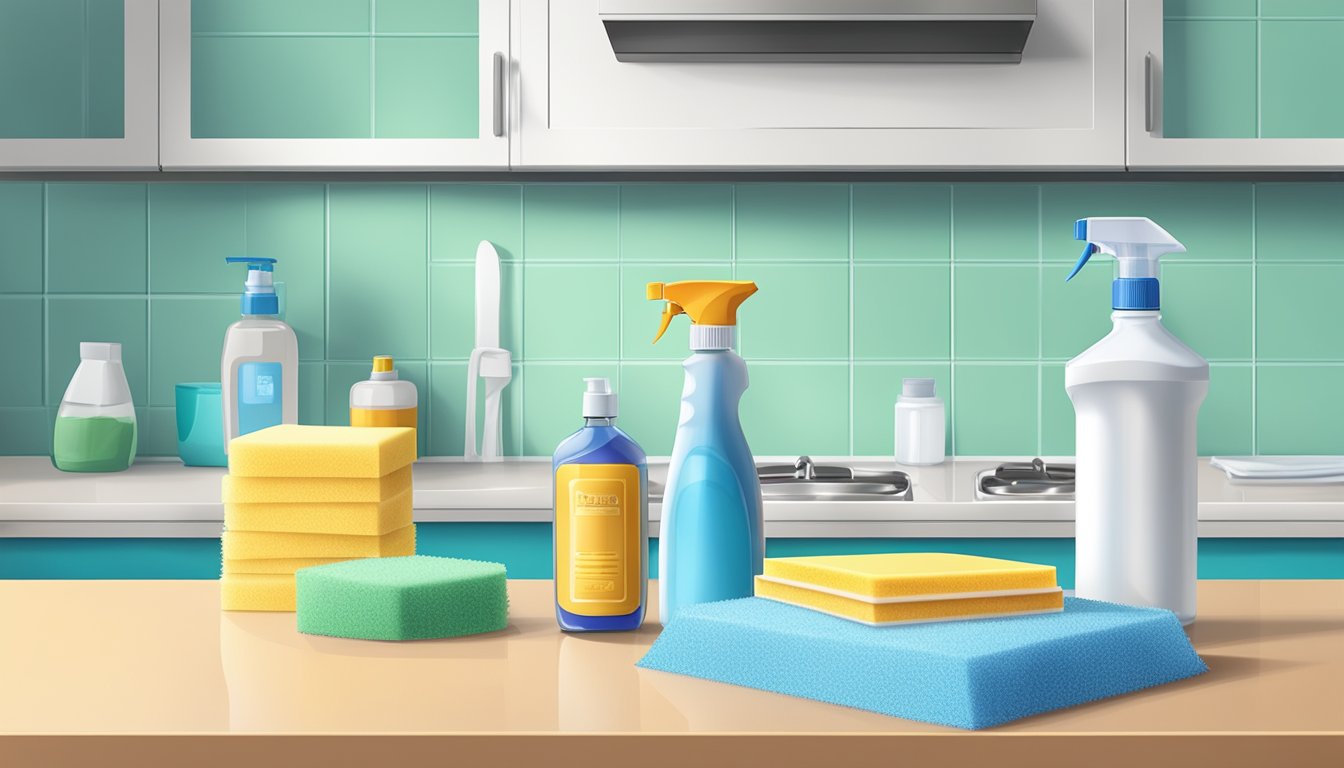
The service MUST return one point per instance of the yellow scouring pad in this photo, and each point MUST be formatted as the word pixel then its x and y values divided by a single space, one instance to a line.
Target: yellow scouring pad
pixel 338 490
pixel 260 545
pixel 294 450
pixel 909 611
pixel 256 592
pixel 370 518
pixel 910 574
pixel 278 565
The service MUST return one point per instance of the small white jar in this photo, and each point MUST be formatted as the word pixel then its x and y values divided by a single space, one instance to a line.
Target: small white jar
pixel 920 424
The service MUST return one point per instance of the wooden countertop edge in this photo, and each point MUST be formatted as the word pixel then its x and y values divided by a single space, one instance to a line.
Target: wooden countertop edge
pixel 1003 750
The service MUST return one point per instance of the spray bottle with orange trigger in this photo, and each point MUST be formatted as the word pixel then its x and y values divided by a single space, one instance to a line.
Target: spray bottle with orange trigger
pixel 712 541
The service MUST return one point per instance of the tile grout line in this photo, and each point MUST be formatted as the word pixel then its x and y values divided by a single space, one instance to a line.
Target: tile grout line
pixel 149 316
pixel 1255 322
pixel 326 295
pixel 952 312
pixel 84 72
pixel 851 322
pixel 522 313
pixel 620 291
pixel 1260 119
pixel 46 302
pixel 373 69
pixel 1040 319
pixel 429 318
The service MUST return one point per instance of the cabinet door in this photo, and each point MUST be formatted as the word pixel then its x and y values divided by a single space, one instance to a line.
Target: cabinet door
pixel 1062 107
pixel 1236 84
pixel 79 85
pixel 334 84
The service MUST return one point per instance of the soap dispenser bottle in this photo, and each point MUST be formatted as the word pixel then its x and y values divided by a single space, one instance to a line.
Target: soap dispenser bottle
pixel 711 542
pixel 601 533
pixel 95 426
pixel 259 370
pixel 1136 394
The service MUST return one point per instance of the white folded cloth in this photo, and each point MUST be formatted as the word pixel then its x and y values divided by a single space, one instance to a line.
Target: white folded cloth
pixel 1317 468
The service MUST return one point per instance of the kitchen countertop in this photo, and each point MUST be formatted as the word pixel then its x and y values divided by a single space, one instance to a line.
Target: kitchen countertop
pixel 165 499
pixel 101 672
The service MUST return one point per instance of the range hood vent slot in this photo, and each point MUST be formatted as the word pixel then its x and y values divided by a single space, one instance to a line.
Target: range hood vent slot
pixel 975 31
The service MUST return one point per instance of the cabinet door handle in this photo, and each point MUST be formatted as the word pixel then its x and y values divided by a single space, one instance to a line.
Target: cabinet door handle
pixel 498 86
pixel 1149 93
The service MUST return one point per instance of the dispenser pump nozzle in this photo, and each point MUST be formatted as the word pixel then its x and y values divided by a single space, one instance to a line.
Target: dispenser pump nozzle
pixel 259 291
pixel 711 305
pixel 1137 243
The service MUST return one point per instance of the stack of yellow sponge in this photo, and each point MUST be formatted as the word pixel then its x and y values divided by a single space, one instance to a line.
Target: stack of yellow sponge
pixel 297 496
pixel 911 587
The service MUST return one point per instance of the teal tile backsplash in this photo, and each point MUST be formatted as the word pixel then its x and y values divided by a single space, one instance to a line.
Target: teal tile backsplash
pixel 861 285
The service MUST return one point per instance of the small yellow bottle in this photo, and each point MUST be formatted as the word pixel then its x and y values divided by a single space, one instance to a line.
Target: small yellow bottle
pixel 383 400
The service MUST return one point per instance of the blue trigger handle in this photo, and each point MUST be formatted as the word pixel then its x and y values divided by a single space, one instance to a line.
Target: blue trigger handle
pixel 1088 250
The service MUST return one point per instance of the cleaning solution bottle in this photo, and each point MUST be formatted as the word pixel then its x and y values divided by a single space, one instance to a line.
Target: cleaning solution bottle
pixel 259 370
pixel 601 539
pixel 1136 394
pixel 384 400
pixel 95 425
pixel 712 542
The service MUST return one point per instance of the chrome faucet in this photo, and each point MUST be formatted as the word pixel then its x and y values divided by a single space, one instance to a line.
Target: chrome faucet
pixel 804 469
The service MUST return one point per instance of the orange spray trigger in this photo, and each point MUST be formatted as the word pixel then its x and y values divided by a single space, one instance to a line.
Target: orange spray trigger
pixel 669 311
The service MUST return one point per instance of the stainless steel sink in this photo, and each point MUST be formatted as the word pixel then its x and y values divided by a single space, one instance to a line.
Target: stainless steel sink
pixel 805 480
pixel 1026 480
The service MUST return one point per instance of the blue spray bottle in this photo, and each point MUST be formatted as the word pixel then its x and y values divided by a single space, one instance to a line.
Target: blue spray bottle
pixel 712 541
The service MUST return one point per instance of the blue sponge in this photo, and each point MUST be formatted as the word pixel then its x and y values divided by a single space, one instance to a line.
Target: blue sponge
pixel 968 674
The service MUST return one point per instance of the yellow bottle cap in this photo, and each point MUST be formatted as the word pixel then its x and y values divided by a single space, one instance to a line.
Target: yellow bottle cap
pixel 382 363
pixel 706 302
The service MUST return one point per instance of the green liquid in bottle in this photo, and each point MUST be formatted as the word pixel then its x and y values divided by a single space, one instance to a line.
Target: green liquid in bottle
pixel 93 444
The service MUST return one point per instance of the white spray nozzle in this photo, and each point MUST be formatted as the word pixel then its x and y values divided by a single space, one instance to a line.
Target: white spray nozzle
pixel 599 402
pixel 1135 242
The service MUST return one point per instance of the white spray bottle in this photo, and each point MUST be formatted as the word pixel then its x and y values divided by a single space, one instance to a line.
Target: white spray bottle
pixel 1136 394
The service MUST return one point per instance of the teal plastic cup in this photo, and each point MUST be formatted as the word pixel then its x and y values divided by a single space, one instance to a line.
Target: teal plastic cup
pixel 200 425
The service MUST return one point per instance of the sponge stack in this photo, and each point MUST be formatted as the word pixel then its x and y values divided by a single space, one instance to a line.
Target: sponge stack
pixel 299 496
pixel 902 588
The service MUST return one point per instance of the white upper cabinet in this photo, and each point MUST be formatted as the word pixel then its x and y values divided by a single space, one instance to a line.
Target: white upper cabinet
pixel 334 84
pixel 79 85
pixel 1060 108
pixel 1234 85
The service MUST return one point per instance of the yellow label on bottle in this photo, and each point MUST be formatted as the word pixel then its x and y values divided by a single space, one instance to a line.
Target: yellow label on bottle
pixel 383 417
pixel 597 539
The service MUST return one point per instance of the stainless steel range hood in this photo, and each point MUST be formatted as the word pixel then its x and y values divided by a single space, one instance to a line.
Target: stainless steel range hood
pixel 818 30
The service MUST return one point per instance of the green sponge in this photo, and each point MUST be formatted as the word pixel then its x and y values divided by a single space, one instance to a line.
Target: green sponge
pixel 402 598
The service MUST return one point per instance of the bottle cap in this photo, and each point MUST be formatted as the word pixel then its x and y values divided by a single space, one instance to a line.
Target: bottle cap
pixel 924 388
pixel 382 369
pixel 259 291
pixel 100 350
pixel 599 402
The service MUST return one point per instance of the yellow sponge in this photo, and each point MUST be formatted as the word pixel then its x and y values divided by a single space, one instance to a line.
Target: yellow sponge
pixel 293 450
pixel 911 610
pixel 277 565
pixel 370 518
pixel 906 574
pixel 256 592
pixel 340 490
pixel 259 545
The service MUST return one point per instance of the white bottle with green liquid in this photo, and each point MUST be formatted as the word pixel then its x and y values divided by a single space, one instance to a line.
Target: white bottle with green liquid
pixel 259 370
pixel 95 426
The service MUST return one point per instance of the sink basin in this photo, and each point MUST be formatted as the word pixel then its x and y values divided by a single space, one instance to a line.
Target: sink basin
pixel 893 486
pixel 1022 481
pixel 805 481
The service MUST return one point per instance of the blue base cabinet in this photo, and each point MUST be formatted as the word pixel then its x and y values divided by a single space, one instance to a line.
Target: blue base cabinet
pixel 525 548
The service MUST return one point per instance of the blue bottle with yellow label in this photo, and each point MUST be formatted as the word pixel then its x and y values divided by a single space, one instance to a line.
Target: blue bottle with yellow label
pixel 600 492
